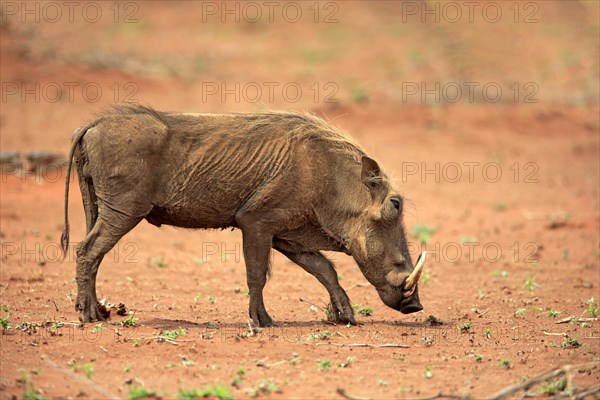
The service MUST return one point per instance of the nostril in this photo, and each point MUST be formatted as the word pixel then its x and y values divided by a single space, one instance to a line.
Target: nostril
pixel 411 306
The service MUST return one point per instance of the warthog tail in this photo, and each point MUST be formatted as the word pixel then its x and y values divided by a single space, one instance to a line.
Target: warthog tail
pixel 77 135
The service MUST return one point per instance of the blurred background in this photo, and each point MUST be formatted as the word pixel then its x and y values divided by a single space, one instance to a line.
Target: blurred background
pixel 62 63
pixel 484 113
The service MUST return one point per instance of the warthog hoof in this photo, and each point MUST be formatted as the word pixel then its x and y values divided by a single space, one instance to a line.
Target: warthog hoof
pixel 89 312
pixel 345 315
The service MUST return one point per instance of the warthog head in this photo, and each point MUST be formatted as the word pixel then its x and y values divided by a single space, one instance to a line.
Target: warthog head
pixel 379 242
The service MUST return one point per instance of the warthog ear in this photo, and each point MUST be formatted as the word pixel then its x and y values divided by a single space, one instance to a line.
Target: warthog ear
pixel 371 176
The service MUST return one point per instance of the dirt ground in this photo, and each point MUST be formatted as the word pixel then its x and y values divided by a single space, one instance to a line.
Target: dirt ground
pixel 503 186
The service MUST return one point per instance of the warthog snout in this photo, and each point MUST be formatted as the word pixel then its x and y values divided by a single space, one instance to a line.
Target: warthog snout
pixel 411 304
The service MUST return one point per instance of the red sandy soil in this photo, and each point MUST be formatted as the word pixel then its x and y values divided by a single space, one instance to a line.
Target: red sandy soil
pixel 527 194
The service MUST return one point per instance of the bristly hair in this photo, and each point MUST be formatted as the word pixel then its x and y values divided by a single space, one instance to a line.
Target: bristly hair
pixel 134 109
pixel 298 125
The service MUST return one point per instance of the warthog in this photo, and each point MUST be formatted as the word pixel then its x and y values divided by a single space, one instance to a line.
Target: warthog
pixel 289 181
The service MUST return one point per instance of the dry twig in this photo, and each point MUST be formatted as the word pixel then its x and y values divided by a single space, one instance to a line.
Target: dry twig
pixel 342 392
pixel 565 370
pixel 573 318
pixel 555 333
pixel 363 345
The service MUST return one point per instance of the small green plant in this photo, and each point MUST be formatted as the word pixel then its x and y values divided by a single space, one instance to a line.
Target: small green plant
pixel 502 274
pixel 32 394
pixel 520 311
pixel 422 232
pixel 481 294
pixel 265 386
pixel 530 284
pixel 157 262
pixel 212 392
pixel 478 357
pixel 487 333
pixel 553 387
pixel 570 343
pixel 136 341
pixel 464 327
pixel 565 254
pixel 88 368
pixel 592 307
pixel 130 321
pixel 330 313
pixel 211 299
pixel 186 361
pixel 428 373
pixel 24 378
pixel 359 95
pixel 348 362
pixel 55 326
pixel 138 392
pixel 239 379
pixel 210 325
pixel 382 382
pixel 171 335
pixel 500 206
pixel 4 322
pixel 469 239
pixel 197 297
pixel 367 311
pixel 97 328
pixel 425 279
pixel 320 335
pixel 313 309
pixel 323 365
pixel 504 363
pixel 552 313
pixel 295 360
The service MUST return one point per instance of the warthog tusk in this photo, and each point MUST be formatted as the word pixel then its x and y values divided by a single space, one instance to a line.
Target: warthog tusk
pixel 411 282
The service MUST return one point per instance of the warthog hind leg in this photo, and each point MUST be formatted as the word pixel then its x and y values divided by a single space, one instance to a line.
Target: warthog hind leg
pixel 257 248
pixel 90 253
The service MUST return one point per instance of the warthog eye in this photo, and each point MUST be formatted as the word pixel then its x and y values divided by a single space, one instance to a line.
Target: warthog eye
pixel 396 202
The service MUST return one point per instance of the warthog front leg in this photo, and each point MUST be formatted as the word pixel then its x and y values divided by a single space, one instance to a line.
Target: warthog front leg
pixel 318 265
